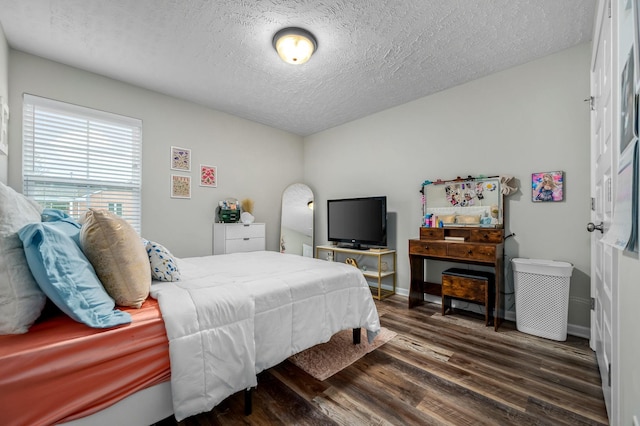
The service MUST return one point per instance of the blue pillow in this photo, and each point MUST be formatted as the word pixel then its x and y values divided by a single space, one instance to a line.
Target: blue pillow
pixel 54 215
pixel 65 275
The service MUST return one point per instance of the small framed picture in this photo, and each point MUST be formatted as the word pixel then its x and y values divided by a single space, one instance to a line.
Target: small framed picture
pixel 180 186
pixel 180 159
pixel 208 176
pixel 547 186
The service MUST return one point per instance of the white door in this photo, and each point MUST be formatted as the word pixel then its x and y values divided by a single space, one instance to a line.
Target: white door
pixel 603 173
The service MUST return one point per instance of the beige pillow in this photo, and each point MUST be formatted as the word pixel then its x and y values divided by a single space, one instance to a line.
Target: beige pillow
pixel 468 219
pixel 21 300
pixel 117 254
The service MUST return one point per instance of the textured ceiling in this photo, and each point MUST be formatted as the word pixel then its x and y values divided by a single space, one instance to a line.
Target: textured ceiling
pixel 372 55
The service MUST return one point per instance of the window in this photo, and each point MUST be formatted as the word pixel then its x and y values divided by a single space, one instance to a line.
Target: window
pixel 115 208
pixel 75 158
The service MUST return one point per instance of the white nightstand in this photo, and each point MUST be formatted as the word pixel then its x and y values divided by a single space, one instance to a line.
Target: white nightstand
pixel 238 237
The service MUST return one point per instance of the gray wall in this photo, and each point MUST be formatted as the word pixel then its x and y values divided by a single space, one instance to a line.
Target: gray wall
pixel 254 161
pixel 527 119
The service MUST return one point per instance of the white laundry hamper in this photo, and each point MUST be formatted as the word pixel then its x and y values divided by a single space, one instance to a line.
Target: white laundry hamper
pixel 542 297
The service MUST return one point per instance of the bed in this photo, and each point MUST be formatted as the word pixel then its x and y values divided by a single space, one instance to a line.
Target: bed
pixel 236 315
pixel 61 369
pixel 191 344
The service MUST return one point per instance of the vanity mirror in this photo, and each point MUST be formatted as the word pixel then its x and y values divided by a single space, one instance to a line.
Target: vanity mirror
pixel 296 227
pixel 474 202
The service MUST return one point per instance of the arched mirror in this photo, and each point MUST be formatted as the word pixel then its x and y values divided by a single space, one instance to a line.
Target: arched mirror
pixel 296 228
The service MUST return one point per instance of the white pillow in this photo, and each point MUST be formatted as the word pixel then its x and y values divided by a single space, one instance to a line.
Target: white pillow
pixel 21 300
pixel 163 265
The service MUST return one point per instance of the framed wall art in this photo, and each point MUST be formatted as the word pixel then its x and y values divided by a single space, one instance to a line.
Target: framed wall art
pixel 180 159
pixel 208 176
pixel 180 186
pixel 547 186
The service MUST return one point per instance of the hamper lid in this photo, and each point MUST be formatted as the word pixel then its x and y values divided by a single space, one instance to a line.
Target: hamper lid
pixel 542 267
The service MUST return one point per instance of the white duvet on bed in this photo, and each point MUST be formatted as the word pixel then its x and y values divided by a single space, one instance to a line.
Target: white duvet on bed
pixel 232 316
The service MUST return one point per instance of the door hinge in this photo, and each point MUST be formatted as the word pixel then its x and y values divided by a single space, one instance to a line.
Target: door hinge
pixel 609 374
pixel 593 303
pixel 593 204
pixel 609 8
pixel 592 103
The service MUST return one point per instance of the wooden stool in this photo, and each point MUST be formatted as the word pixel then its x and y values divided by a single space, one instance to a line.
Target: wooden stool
pixel 473 286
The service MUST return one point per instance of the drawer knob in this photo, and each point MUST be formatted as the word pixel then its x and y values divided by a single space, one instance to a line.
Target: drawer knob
pixel 470 252
pixel 246 239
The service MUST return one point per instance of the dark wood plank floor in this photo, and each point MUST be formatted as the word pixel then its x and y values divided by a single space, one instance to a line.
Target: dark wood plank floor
pixel 438 370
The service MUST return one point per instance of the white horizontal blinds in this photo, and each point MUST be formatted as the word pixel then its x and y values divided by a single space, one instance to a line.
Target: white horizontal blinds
pixel 75 158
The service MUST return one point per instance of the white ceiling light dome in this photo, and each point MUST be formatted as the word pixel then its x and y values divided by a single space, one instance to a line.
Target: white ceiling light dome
pixel 294 45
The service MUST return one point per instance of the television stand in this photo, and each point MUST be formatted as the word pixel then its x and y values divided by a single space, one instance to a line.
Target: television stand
pixel 374 274
pixel 353 247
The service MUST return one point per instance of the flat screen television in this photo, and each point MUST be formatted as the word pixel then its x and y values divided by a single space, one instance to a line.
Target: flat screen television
pixel 359 223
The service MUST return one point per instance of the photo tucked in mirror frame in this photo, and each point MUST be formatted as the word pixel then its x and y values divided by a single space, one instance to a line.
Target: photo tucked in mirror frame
pixel 463 202
pixel 296 227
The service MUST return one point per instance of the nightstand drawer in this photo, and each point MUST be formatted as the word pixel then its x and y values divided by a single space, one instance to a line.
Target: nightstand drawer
pixel 241 231
pixel 245 244
pixel 238 237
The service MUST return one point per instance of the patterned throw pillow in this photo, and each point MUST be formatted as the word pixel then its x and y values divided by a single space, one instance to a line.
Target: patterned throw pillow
pixel 163 265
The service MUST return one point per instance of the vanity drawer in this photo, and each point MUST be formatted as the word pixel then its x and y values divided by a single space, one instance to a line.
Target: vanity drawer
pixel 427 248
pixel 472 251
pixel 486 236
pixel 431 233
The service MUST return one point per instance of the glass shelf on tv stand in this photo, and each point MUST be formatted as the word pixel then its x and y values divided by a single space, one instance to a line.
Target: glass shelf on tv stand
pixel 384 282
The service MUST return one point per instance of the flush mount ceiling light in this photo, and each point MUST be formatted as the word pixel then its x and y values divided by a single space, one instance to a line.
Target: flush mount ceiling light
pixel 294 45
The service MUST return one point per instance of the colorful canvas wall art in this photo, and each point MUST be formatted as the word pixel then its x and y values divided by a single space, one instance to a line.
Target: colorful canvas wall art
pixel 547 186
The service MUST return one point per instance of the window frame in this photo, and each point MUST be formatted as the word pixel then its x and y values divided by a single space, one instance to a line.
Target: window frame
pixel 82 156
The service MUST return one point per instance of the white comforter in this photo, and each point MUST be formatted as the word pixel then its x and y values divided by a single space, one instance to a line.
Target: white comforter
pixel 232 316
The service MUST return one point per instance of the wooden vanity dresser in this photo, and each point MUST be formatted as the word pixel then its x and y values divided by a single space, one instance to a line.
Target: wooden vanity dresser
pixel 472 245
